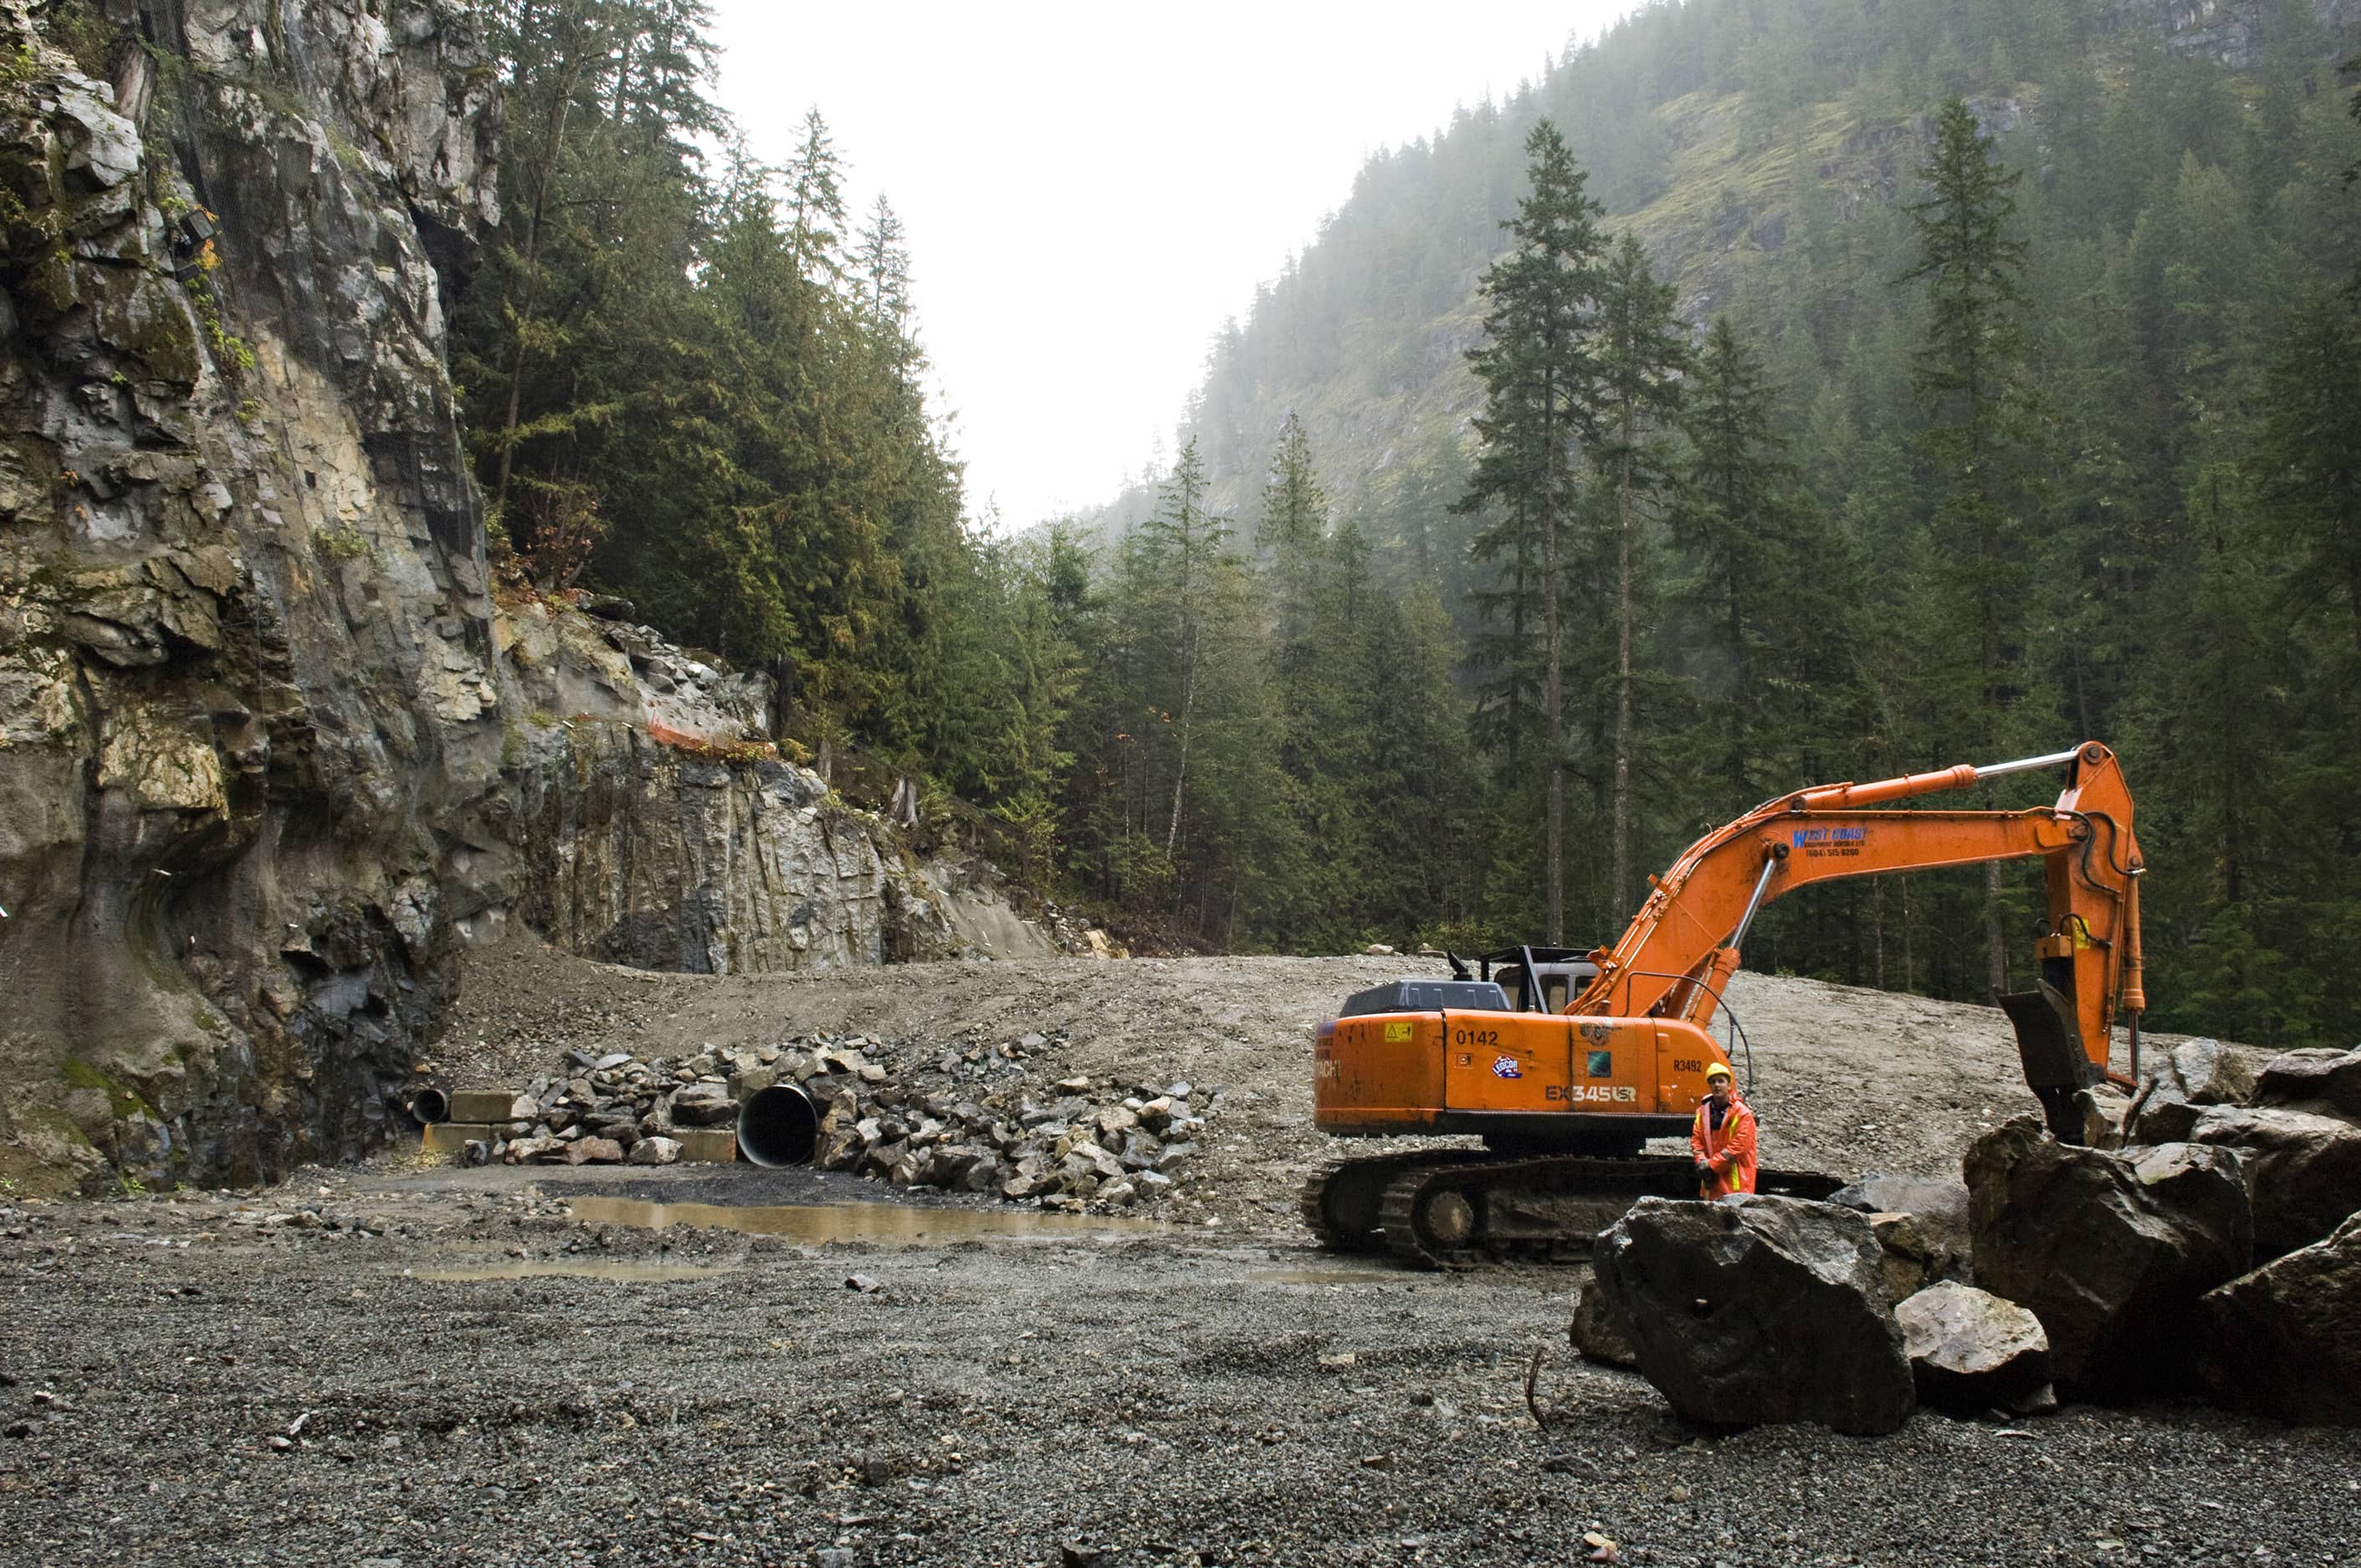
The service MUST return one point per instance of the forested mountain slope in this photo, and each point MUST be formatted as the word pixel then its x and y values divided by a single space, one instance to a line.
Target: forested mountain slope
pixel 2157 548
pixel 1911 499
pixel 1759 151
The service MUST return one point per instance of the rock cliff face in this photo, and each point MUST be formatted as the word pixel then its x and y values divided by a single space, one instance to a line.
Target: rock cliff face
pixel 652 828
pixel 268 753
pixel 2234 32
pixel 245 646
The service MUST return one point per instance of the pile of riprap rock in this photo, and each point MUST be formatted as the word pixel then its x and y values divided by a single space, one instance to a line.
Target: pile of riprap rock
pixel 1097 1140
pixel 966 1119
pixel 615 1108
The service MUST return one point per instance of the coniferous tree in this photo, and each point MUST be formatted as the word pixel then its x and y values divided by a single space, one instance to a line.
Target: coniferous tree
pixel 2307 456
pixel 1632 397
pixel 1534 365
pixel 1966 380
pixel 1306 580
pixel 1739 517
pixel 815 201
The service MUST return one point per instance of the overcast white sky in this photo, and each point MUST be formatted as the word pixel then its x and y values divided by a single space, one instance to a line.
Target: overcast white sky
pixel 1091 189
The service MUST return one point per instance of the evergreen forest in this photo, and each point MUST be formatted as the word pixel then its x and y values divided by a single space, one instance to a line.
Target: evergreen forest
pixel 1779 391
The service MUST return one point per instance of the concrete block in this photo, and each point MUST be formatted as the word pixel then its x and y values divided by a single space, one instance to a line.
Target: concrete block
pixel 481 1104
pixel 451 1137
pixel 706 1146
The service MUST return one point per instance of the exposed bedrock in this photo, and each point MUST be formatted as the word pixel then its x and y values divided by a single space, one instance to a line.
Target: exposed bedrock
pixel 269 752
pixel 244 633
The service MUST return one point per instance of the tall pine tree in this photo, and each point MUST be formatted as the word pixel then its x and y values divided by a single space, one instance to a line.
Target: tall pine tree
pixel 1633 394
pixel 1535 366
pixel 1972 262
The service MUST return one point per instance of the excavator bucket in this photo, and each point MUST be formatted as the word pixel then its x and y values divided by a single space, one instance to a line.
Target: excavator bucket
pixel 2049 1042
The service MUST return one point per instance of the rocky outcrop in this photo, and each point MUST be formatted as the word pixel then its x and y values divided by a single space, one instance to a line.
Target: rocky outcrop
pixel 2226 31
pixel 646 854
pixel 2282 1340
pixel 1755 1310
pixel 1972 1351
pixel 651 823
pixel 2109 1251
pixel 270 751
pixel 246 695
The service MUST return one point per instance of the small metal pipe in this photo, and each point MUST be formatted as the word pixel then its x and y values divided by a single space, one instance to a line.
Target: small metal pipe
pixel 2028 765
pixel 429 1106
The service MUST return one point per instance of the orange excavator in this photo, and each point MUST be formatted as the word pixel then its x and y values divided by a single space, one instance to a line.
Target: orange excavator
pixel 1566 1062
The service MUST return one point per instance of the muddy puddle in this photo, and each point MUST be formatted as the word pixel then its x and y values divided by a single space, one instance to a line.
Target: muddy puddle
pixel 577 1268
pixel 881 1224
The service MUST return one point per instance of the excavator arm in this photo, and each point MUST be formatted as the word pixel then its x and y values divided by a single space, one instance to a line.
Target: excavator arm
pixel 1684 944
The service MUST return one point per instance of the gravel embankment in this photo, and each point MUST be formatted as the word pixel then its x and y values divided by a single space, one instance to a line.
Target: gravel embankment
pixel 1846 1080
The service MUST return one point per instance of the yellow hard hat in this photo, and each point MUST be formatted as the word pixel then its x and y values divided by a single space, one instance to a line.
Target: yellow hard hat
pixel 1718 1069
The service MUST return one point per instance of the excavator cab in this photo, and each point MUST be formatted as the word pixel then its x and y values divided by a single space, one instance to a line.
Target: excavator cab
pixel 1538 980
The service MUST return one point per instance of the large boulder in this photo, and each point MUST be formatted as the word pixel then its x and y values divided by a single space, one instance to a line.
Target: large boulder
pixel 2109 1251
pixel 1595 1332
pixel 2182 1081
pixel 1758 1309
pixel 2323 1080
pixel 1938 1200
pixel 1972 1351
pixel 2303 1170
pixel 1913 1257
pixel 1920 1222
pixel 2213 1073
pixel 2104 1110
pixel 2286 1339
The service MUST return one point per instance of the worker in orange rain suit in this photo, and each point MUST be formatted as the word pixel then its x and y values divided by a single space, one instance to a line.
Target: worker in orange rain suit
pixel 1722 1138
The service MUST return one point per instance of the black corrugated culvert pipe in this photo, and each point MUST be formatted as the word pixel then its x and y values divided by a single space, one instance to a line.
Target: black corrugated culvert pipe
pixel 778 1125
pixel 429 1106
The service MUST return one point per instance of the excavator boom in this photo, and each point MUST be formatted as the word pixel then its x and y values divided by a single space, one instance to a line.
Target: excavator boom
pixel 1685 941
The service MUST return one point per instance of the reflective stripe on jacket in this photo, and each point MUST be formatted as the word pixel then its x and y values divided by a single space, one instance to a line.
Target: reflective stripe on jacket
pixel 1729 1151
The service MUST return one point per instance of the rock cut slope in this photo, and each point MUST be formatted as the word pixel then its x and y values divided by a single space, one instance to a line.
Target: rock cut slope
pixel 272 748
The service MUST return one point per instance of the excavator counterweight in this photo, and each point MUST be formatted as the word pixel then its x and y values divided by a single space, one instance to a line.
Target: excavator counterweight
pixel 1597 1052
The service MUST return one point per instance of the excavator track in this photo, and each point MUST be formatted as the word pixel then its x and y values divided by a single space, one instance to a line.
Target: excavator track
pixel 1466 1210
pixel 1341 1200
